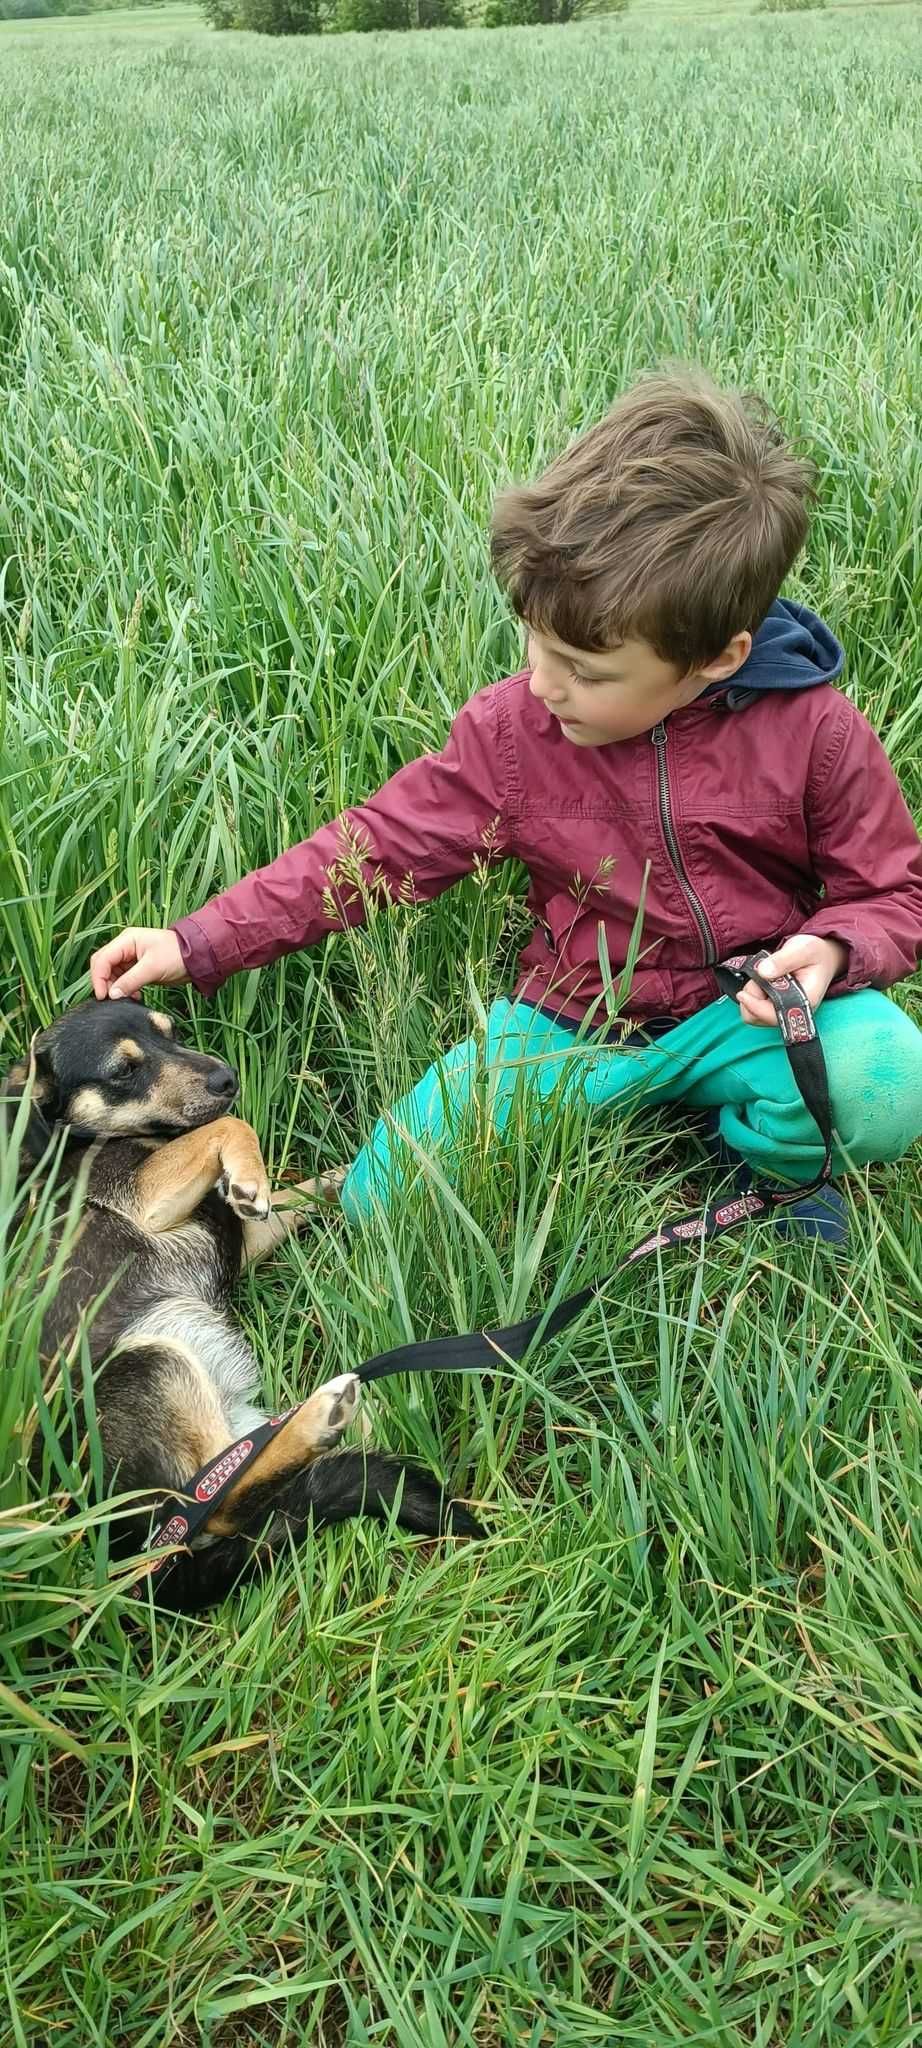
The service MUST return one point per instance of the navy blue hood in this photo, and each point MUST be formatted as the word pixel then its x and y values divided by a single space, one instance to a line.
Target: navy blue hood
pixel 792 650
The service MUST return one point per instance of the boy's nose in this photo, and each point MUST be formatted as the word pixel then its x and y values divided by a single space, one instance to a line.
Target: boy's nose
pixel 545 691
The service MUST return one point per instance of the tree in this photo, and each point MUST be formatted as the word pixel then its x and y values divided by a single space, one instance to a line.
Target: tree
pixel 532 13
pixel 316 17
pixel 272 17
pixel 399 14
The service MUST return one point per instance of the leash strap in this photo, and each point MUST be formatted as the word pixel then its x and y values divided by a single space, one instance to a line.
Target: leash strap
pixel 181 1516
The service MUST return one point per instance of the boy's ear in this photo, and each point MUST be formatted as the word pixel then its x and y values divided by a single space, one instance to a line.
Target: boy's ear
pixel 726 664
pixel 33 1076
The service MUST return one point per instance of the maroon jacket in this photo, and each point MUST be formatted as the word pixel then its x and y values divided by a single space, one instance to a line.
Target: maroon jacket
pixel 763 810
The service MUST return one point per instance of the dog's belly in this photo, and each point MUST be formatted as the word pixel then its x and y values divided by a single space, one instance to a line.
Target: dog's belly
pixel 216 1344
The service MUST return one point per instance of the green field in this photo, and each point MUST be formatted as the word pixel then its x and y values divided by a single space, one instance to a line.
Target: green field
pixel 275 319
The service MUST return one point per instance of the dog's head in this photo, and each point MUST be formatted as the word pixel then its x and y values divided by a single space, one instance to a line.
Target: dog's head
pixel 116 1070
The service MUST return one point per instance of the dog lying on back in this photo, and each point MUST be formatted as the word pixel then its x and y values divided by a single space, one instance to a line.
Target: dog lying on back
pixel 177 1203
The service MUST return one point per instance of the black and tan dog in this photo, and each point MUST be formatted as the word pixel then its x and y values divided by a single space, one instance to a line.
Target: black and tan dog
pixel 177 1202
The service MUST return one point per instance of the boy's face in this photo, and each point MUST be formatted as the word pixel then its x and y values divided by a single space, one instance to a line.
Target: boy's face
pixel 621 692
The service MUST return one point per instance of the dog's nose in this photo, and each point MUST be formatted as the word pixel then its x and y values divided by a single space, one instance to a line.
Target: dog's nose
pixel 222 1081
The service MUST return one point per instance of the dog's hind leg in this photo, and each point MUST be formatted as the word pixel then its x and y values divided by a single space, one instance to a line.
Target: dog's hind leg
pixel 313 1428
pixel 160 1415
pixel 277 1500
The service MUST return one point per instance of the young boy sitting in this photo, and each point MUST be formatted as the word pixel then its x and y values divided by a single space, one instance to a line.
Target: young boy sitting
pixel 675 716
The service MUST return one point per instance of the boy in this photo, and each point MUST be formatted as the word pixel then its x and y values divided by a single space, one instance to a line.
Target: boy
pixel 673 713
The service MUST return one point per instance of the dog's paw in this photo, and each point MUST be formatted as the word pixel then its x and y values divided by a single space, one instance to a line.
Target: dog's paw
pixel 248 1196
pixel 331 1409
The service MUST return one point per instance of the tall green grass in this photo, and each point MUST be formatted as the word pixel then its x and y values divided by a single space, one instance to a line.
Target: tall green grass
pixel 647 1766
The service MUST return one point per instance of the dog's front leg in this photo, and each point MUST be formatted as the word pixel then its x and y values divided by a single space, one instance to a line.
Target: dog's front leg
pixel 169 1185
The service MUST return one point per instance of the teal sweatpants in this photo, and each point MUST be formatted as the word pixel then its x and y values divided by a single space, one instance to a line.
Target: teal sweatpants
pixel 710 1061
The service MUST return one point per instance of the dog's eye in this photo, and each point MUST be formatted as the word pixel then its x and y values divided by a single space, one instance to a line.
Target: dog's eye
pixel 126 1055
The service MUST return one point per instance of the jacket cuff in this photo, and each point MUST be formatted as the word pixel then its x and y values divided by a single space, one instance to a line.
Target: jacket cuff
pixel 860 966
pixel 206 968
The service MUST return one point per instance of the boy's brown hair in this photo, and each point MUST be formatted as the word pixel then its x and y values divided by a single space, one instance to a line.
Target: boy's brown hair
pixel 674 520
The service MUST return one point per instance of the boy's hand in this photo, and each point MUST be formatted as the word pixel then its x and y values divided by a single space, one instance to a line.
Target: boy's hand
pixel 815 963
pixel 133 960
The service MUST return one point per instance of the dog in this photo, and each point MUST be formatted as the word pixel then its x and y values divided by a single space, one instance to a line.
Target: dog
pixel 176 1203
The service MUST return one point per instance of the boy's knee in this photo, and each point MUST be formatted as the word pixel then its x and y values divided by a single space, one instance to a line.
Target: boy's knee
pixel 425 1120
pixel 875 1077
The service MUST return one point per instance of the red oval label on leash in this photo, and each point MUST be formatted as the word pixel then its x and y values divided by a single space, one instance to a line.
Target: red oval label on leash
pixel 172 1532
pixel 222 1469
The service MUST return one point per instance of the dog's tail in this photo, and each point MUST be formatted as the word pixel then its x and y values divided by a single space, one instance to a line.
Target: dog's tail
pixel 330 1489
pixel 366 1483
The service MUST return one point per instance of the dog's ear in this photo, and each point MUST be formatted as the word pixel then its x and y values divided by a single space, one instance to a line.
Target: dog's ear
pixel 33 1076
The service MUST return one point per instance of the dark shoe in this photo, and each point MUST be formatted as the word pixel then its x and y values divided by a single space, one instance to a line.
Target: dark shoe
pixel 823 1214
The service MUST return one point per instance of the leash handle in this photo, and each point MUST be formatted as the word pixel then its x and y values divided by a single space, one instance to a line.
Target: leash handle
pixel 801 1040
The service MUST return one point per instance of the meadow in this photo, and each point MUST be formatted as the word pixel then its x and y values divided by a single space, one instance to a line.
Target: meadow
pixel 275 321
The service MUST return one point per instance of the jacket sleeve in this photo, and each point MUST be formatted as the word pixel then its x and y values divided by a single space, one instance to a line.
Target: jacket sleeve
pixel 429 825
pixel 867 854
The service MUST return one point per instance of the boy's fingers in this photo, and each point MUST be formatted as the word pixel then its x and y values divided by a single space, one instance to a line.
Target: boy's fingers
pixel 754 1007
pixel 135 978
pixel 105 964
pixel 134 960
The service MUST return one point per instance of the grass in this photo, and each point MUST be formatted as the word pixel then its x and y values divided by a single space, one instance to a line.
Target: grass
pixel 647 1767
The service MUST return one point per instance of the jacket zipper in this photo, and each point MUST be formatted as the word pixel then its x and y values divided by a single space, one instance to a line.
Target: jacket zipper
pixel 659 737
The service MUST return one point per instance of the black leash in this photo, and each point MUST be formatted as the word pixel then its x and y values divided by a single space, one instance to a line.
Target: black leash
pixel 180 1517
pixel 183 1514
